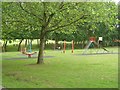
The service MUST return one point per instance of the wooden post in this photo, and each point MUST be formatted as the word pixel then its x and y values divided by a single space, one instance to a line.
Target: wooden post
pixel 64 46
pixel 72 46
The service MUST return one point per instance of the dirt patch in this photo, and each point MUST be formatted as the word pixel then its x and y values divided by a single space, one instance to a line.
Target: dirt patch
pixel 24 58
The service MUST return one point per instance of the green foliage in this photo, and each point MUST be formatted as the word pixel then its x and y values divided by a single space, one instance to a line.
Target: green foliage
pixel 37 19
pixel 100 20
pixel 25 20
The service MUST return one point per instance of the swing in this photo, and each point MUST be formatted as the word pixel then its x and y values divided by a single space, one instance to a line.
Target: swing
pixel 29 53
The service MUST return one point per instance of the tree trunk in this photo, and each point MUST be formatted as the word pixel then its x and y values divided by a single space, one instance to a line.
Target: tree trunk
pixel 28 41
pixel 19 46
pixel 4 47
pixel 38 43
pixel 56 44
pixel 41 49
pixel 31 42
pixel 25 42
pixel 83 44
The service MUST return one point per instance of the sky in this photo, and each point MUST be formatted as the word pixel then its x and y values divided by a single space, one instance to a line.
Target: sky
pixel 116 1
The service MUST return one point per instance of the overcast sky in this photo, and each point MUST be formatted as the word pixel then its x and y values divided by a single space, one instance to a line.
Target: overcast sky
pixel 116 1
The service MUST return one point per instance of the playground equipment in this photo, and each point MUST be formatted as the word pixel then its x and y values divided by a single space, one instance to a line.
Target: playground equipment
pixel 92 41
pixel 72 46
pixel 64 47
pixel 29 53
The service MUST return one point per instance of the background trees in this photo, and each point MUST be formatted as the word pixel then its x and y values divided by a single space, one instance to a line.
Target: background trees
pixel 66 20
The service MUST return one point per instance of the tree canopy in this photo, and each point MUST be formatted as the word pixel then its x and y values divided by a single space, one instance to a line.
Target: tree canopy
pixel 38 19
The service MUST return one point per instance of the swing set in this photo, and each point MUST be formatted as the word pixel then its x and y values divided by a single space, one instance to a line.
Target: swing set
pixel 64 46
pixel 29 53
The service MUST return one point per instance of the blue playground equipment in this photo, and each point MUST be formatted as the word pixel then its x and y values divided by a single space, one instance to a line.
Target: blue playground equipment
pixel 29 52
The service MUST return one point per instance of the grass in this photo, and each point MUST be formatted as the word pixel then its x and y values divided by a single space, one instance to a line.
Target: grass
pixel 62 71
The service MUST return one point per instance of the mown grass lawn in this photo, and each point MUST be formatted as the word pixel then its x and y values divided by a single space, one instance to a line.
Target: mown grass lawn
pixel 62 71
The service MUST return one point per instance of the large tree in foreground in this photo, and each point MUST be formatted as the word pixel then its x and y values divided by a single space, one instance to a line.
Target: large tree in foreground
pixel 45 17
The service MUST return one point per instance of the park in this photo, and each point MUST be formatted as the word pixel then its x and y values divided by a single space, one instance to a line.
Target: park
pixel 60 45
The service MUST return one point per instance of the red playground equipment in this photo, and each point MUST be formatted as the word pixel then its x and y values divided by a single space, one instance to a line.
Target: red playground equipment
pixel 92 39
pixel 64 46
pixel 29 53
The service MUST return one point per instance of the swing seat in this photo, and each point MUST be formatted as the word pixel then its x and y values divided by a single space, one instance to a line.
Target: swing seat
pixel 28 53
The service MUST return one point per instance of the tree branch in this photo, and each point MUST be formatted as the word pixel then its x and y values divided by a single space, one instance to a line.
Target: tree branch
pixel 19 21
pixel 49 19
pixel 56 24
pixel 65 25
pixel 61 5
pixel 29 12
pixel 46 17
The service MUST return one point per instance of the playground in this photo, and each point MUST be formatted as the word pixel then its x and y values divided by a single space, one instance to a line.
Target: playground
pixel 61 70
pixel 94 67
pixel 59 44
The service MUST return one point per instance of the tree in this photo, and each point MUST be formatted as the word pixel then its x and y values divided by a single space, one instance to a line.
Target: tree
pixel 46 17
pixel 102 21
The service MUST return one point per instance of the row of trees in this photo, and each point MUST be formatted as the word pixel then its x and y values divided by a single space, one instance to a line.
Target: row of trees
pixel 58 20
